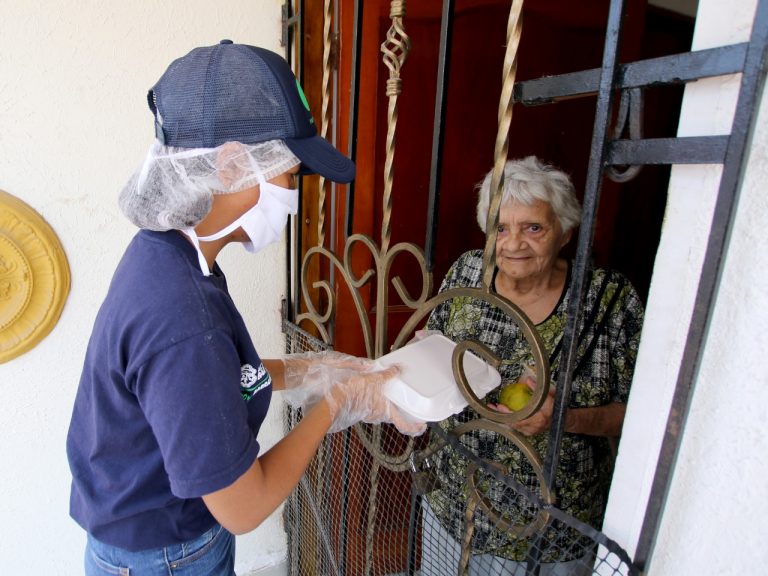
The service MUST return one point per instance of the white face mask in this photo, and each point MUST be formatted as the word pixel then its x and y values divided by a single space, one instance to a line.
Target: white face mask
pixel 263 223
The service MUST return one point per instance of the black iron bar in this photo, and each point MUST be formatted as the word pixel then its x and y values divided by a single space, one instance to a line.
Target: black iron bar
pixel 293 230
pixel 287 304
pixel 578 287
pixel 357 35
pixel 675 69
pixel 436 164
pixel 554 88
pixel 288 21
pixel 413 521
pixel 686 67
pixel 690 150
pixel 298 222
pixel 745 118
pixel 592 188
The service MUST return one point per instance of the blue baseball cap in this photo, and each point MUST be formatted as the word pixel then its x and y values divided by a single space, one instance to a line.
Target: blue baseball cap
pixel 235 92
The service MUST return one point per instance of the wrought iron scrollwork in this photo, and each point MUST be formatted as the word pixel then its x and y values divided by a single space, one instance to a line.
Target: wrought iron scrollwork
pixel 629 119
pixel 395 50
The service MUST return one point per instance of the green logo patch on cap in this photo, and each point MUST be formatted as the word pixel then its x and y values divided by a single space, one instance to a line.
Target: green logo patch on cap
pixel 304 101
pixel 301 93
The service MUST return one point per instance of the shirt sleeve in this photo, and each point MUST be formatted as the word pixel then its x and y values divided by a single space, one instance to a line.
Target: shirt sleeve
pixel 190 395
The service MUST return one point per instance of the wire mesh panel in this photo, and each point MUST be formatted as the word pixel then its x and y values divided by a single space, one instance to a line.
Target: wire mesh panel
pixel 482 516
pixel 374 502
pixel 351 511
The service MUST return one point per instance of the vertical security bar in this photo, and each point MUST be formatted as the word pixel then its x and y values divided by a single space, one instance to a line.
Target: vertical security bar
pixel 292 254
pixel 357 31
pixel 436 165
pixel 286 39
pixel 501 145
pixel 289 20
pixel 745 118
pixel 293 21
pixel 592 188
pixel 597 162
pixel 357 34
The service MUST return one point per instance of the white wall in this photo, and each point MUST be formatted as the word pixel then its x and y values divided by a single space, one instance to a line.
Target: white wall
pixel 73 125
pixel 716 516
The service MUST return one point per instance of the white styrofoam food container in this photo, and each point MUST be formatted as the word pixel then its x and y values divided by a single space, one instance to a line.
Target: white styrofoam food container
pixel 425 388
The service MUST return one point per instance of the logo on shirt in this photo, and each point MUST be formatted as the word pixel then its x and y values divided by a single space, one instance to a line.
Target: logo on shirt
pixel 252 380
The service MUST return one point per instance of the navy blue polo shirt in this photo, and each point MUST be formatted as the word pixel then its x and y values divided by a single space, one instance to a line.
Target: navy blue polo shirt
pixel 171 398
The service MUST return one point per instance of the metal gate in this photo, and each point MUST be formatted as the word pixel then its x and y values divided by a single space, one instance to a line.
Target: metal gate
pixel 360 509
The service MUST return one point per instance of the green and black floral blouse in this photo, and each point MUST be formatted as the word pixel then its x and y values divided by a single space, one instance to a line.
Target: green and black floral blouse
pixel 608 340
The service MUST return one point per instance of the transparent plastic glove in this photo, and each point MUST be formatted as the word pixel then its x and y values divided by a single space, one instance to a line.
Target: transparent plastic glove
pixel 309 376
pixel 296 366
pixel 353 390
pixel 360 398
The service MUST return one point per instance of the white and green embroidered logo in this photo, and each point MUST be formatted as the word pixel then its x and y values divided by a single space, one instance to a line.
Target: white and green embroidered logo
pixel 252 380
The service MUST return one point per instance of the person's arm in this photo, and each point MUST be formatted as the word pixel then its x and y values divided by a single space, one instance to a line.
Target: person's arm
pixel 357 396
pixel 246 503
pixel 288 372
pixel 596 421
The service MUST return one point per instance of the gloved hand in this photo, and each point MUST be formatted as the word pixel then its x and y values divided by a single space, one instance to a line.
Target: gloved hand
pixel 350 385
pixel 296 366
pixel 360 398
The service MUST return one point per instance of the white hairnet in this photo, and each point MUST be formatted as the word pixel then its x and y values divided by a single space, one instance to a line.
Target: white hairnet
pixel 174 188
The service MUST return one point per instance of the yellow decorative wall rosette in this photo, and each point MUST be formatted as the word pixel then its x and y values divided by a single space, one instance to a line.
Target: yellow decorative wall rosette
pixel 34 277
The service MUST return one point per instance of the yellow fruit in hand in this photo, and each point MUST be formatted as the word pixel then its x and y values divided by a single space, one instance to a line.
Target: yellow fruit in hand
pixel 515 396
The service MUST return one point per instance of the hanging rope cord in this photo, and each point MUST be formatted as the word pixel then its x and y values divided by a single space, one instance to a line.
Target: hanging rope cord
pixel 325 114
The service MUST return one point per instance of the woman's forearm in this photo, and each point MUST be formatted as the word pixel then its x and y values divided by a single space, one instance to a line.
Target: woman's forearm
pixel 598 421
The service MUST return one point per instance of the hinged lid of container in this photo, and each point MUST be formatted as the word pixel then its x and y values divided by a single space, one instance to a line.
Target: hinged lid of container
pixel 426 388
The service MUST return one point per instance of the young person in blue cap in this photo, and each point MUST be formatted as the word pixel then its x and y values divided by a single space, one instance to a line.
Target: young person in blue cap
pixel 162 443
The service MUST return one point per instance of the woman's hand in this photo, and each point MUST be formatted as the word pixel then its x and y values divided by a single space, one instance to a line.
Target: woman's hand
pixel 540 420
pixel 604 420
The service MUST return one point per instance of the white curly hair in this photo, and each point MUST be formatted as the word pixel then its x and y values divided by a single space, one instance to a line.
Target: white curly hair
pixel 529 179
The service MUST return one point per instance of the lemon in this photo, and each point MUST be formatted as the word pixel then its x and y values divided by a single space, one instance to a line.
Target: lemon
pixel 515 396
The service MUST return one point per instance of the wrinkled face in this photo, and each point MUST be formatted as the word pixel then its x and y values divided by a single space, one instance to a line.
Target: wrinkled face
pixel 529 239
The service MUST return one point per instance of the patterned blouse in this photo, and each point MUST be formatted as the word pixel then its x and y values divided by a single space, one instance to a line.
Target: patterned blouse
pixel 608 340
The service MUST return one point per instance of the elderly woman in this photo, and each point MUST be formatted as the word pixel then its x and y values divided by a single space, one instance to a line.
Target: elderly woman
pixel 539 211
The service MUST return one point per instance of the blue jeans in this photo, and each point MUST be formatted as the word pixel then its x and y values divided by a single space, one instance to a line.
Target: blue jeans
pixel 212 554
